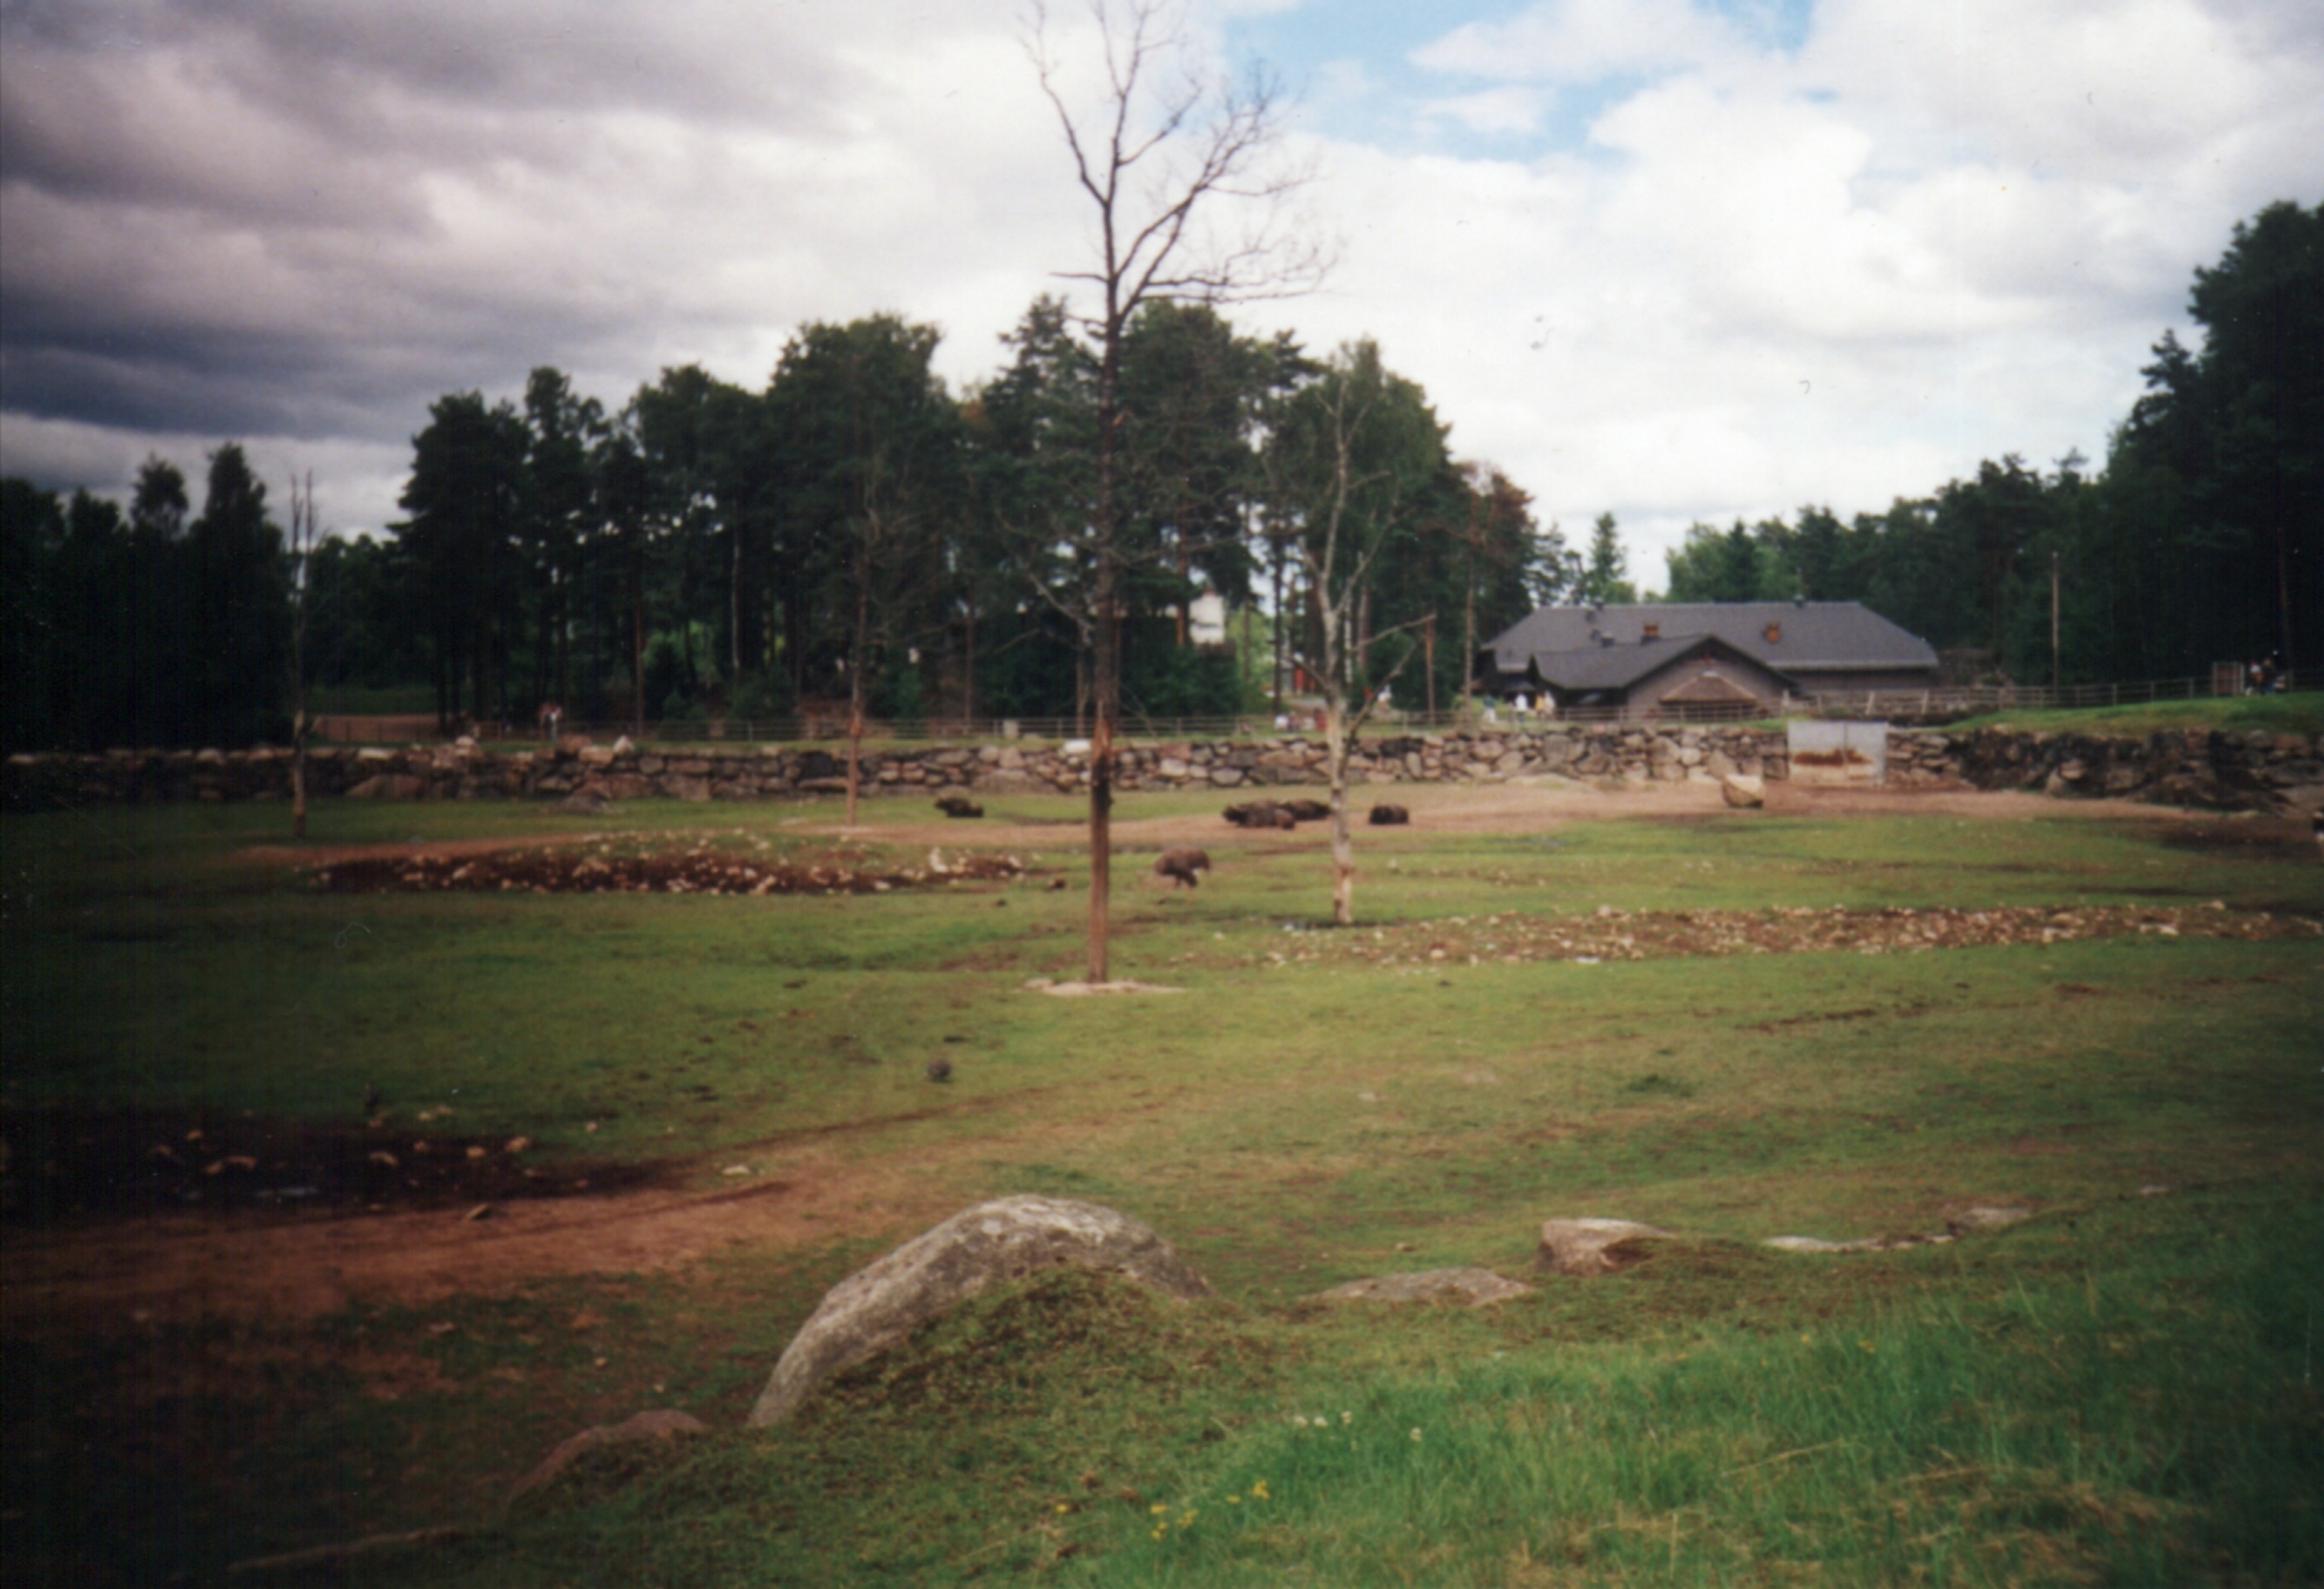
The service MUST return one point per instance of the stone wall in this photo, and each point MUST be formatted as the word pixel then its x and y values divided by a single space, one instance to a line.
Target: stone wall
pixel 2254 772
pixel 466 771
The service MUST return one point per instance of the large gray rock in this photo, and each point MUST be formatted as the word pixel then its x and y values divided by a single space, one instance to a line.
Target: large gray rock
pixel 881 1305
pixel 1593 1246
pixel 1475 1286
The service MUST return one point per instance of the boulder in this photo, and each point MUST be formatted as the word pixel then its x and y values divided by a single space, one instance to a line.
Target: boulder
pixel 660 1424
pixel 1593 1246
pixel 1475 1286
pixel 1743 791
pixel 880 1305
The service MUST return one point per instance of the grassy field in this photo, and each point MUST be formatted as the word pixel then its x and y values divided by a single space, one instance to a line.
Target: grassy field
pixel 2119 1389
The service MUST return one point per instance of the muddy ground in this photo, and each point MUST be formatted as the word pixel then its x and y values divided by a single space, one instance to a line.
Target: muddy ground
pixel 70 1165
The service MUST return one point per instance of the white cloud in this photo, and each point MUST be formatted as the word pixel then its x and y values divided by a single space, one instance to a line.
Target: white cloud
pixel 1586 41
pixel 1832 273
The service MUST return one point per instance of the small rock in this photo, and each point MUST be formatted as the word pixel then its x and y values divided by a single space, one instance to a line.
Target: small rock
pixel 1476 1288
pixel 939 1070
pixel 737 1170
pixel 517 1144
pixel 1593 1246
pixel 662 1424
pixel 481 1211
pixel 1812 1245
pixel 475 1152
pixel 1988 1219
pixel 1743 791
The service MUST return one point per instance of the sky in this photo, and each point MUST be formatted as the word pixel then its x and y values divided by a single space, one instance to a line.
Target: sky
pixel 1676 260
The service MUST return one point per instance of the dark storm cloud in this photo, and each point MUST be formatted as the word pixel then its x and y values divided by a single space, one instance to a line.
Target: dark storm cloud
pixel 230 217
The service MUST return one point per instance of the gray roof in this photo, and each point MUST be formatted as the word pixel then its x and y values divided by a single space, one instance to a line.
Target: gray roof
pixel 1606 648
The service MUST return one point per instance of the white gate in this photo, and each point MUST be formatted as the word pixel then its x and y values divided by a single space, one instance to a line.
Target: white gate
pixel 1839 752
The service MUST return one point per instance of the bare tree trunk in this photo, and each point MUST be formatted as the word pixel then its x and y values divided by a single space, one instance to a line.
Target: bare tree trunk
pixel 968 670
pixel 1432 668
pixel 1343 838
pixel 302 542
pixel 1275 684
pixel 855 694
pixel 1106 663
pixel 638 645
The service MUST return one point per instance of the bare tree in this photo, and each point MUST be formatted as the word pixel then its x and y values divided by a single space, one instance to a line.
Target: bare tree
pixel 303 548
pixel 1162 149
pixel 1344 462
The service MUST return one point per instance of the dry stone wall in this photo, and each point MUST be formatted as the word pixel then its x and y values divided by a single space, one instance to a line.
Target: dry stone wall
pixel 2281 772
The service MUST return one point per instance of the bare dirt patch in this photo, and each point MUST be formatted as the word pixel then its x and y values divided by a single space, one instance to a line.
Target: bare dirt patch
pixel 70 1164
pixel 184 1266
pixel 1516 938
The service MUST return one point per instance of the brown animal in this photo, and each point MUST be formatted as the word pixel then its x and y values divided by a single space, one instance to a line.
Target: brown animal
pixel 1261 814
pixel 959 806
pixel 1185 866
pixel 1307 810
pixel 1385 816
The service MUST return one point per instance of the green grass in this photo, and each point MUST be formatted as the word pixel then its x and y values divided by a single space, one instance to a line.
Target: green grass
pixel 2262 714
pixel 2118 1391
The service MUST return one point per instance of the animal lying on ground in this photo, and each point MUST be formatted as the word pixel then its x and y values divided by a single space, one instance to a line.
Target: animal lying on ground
pixel 959 806
pixel 1185 866
pixel 1307 810
pixel 1261 814
pixel 1385 816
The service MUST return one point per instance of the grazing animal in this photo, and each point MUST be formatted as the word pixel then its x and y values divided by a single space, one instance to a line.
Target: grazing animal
pixel 939 1070
pixel 1307 810
pixel 959 806
pixel 1261 814
pixel 1185 866
pixel 1385 816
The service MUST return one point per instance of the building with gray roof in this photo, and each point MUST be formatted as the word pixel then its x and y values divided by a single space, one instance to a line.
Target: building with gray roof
pixel 1701 659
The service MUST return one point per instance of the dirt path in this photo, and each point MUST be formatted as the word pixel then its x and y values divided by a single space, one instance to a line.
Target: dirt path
pixel 182 1267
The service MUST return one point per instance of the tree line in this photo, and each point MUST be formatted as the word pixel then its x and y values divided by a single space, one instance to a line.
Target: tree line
pixel 2200 542
pixel 854 529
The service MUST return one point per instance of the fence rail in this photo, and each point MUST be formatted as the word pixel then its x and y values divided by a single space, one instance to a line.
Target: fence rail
pixel 1962 700
pixel 1936 704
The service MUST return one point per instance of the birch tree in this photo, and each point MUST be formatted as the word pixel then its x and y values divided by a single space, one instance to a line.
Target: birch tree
pixel 1348 459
